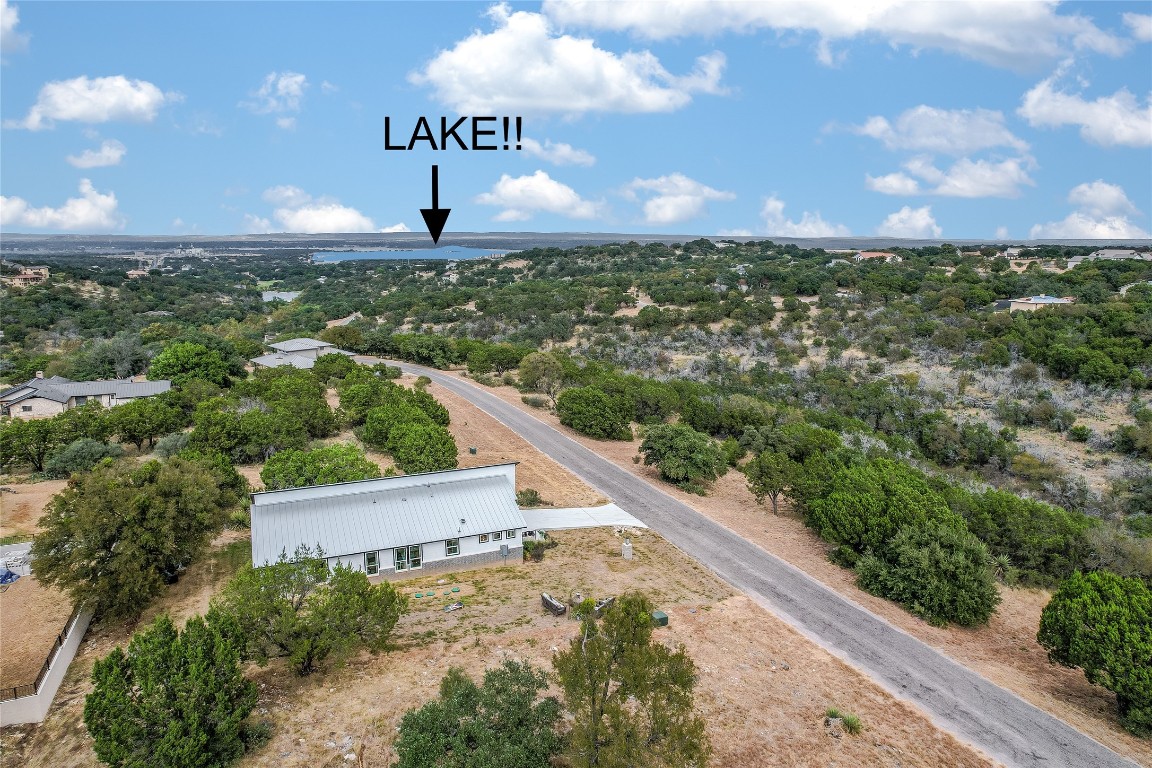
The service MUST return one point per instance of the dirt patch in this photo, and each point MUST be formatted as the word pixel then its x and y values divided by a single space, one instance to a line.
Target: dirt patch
pixel 1004 651
pixel 513 264
pixel 20 509
pixel 31 615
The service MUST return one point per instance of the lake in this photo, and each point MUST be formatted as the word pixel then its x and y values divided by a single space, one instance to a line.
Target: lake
pixel 447 253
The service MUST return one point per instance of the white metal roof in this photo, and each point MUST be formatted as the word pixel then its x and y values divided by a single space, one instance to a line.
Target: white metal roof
pixel 299 345
pixel 278 359
pixel 369 515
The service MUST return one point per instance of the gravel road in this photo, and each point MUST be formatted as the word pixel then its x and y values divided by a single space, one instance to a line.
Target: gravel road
pixel 999 723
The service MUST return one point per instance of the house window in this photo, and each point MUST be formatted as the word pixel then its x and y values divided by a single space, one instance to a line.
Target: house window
pixel 81 400
pixel 497 536
pixel 408 557
pixel 26 408
pixel 529 534
pixel 509 534
pixel 452 547
pixel 483 538
pixel 371 563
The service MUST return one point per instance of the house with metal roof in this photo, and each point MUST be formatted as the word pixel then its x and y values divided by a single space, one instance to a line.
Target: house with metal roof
pixel 1033 303
pixel 39 397
pixel 392 526
pixel 298 353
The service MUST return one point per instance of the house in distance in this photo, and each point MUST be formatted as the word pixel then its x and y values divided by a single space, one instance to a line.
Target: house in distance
pixel 298 353
pixel 392 526
pixel 40 397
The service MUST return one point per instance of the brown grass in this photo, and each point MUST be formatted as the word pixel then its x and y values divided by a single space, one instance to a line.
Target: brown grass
pixel 31 615
pixel 23 504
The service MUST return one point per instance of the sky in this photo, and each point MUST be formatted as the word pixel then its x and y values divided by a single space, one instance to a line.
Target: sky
pixel 1003 121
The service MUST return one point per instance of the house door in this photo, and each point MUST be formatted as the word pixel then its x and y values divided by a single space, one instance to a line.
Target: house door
pixel 408 557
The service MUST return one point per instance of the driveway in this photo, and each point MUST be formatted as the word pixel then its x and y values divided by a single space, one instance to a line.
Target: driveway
pixel 998 722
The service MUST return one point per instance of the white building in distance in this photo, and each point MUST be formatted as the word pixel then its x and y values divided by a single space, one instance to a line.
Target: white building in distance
pixel 41 397
pixel 298 353
pixel 1033 303
pixel 394 526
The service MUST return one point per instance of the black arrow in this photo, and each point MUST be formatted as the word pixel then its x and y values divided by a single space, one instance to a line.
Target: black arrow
pixel 435 217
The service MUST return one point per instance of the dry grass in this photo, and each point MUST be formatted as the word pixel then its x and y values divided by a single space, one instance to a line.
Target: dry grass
pixel 22 505
pixel 31 615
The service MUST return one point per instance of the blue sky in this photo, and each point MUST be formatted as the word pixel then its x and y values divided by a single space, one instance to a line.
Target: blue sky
pixel 1004 120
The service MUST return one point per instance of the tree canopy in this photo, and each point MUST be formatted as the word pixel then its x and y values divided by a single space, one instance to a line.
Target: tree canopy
pixel 319 466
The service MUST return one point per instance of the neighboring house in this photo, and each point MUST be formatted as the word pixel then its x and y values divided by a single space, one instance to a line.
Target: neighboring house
pixel 277 295
pixel 41 397
pixel 30 276
pixel 135 273
pixel 298 353
pixel 1110 254
pixel 1033 303
pixel 884 256
pixel 395 525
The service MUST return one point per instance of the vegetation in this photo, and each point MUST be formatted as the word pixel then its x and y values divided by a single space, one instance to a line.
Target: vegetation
pixel 1102 623
pixel 684 456
pixel 80 456
pixel 501 722
pixel 303 610
pixel 850 722
pixel 319 466
pixel 117 534
pixel 175 698
pixel 629 696
pixel 590 411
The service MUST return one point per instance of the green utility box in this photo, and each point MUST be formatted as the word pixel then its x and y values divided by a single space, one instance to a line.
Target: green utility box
pixel 659 618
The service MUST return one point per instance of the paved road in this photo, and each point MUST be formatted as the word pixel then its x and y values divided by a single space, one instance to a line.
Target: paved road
pixel 980 713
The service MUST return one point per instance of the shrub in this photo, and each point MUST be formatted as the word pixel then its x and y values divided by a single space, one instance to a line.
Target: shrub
pixel 423 448
pixel 849 721
pixel 1102 623
pixel 683 456
pixel 80 456
pixel 170 445
pixel 592 412
pixel 937 572
pixel 329 464
pixel 1080 433
pixel 535 401
pixel 530 497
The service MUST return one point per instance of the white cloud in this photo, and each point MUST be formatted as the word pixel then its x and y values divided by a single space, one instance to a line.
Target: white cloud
pixel 947 131
pixel 1001 233
pixel 328 87
pixel 11 41
pixel 94 100
pixel 1102 212
pixel 676 198
pixel 1141 26
pixel 968 178
pixel 91 212
pixel 810 224
pixel 523 67
pixel 280 93
pixel 1018 35
pixel 1099 198
pixel 523 196
pixel 297 211
pixel 557 153
pixel 1109 121
pixel 910 222
pixel 892 184
pixel 110 153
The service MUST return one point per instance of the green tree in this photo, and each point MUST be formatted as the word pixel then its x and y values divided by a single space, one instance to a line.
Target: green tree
pixel 630 698
pixel 177 699
pixel 544 373
pixel 28 441
pixel 301 609
pixel 114 536
pixel 591 412
pixel 387 418
pixel 683 456
pixel 90 420
pixel 182 361
pixel 144 419
pixel 939 573
pixel 423 448
pixel 1102 623
pixel 500 723
pixel 769 475
pixel 320 466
